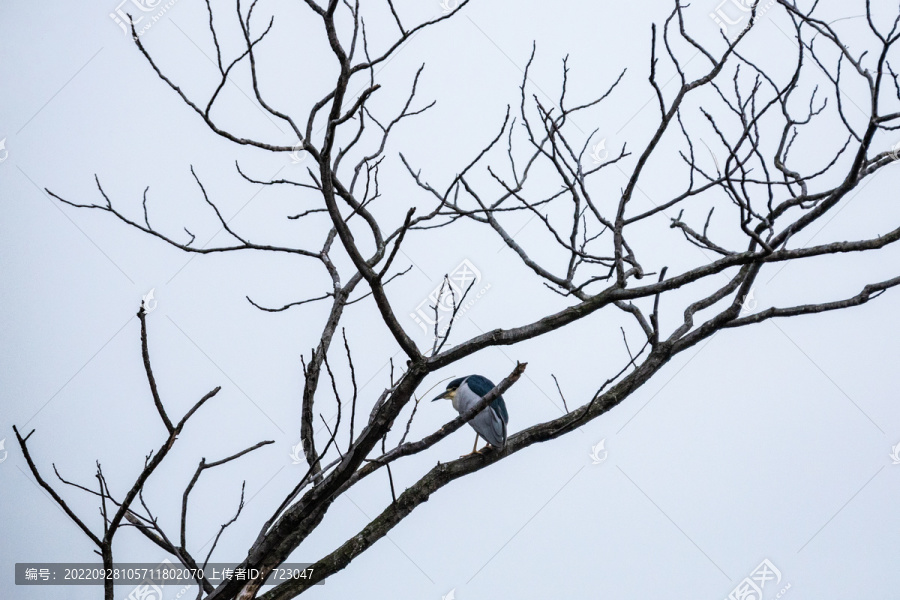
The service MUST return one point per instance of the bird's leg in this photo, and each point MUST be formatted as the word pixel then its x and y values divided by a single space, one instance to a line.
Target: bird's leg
pixel 474 451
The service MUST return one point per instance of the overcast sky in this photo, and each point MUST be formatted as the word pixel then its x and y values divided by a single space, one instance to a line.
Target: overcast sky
pixel 765 443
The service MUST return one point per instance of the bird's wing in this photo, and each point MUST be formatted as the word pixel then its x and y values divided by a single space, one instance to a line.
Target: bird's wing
pixel 499 407
pixel 491 427
pixel 481 386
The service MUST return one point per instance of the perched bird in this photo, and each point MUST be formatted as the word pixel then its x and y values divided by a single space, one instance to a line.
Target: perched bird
pixel 490 423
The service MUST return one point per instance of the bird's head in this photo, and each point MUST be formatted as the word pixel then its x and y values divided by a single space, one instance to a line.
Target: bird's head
pixel 450 392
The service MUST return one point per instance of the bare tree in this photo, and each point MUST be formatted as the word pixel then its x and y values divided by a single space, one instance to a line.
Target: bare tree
pixel 764 197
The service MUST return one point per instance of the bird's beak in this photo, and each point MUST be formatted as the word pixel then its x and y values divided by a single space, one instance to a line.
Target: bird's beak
pixel 445 396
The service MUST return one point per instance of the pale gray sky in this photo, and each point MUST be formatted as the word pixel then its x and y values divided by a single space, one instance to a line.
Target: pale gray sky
pixel 770 442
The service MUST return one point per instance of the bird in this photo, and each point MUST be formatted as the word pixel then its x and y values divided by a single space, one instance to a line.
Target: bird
pixel 490 423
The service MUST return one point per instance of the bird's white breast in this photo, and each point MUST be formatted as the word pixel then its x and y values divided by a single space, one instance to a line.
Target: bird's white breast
pixel 464 398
